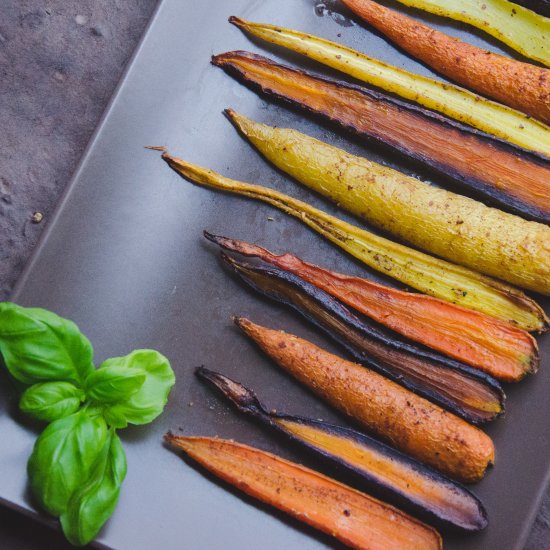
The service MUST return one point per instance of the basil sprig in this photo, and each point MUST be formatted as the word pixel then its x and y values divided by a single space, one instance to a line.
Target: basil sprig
pixel 78 464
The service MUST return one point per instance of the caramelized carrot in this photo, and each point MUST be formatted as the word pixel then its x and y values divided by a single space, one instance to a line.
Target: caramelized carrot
pixel 506 175
pixel 352 517
pixel 449 225
pixel 522 86
pixel 405 482
pixel 462 390
pixel 405 420
pixel 494 346
pixel 520 28
pixel 450 100
pixel 412 267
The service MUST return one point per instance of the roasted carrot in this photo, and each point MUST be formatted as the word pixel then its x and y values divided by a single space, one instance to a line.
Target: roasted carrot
pixel 448 99
pixel 472 337
pixel 467 392
pixel 352 517
pixel 405 482
pixel 407 421
pixel 503 174
pixel 522 86
pixel 430 275
pixel 520 28
pixel 457 228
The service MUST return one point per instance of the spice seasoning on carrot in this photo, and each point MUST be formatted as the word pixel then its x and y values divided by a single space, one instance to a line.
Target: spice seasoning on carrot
pixel 522 86
pixel 405 420
pixel 352 517
pixel 522 29
pixel 448 99
pixel 472 337
pixel 404 481
pixel 425 273
pixel 505 175
pixel 449 225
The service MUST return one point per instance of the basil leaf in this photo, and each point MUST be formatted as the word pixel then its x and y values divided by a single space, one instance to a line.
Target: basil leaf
pixel 113 382
pixel 92 505
pixel 63 457
pixel 149 401
pixel 38 345
pixel 51 400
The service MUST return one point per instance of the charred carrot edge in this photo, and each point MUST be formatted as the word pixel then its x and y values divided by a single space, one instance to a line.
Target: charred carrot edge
pixel 452 101
pixel 542 7
pixel 522 29
pixel 426 273
pixel 405 420
pixel 508 176
pixel 456 228
pixel 522 86
pixel 467 392
pixel 404 482
pixel 352 517
pixel 472 337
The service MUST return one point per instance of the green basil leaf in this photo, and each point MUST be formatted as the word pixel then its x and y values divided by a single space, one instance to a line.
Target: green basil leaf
pixel 92 505
pixel 115 416
pixel 149 401
pixel 51 400
pixel 38 345
pixel 112 382
pixel 63 457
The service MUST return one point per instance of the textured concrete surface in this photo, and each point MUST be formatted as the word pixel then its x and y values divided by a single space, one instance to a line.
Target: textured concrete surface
pixel 59 64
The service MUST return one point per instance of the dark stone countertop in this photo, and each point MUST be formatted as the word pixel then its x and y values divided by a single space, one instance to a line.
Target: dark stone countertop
pixel 59 63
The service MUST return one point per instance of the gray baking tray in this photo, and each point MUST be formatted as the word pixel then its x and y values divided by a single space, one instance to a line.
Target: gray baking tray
pixel 124 257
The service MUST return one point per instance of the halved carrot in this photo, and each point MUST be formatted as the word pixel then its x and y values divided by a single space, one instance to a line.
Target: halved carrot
pixel 421 271
pixel 522 29
pixel 504 174
pixel 467 392
pixel 494 346
pixel 449 225
pixel 352 517
pixel 408 422
pixel 522 86
pixel 403 481
pixel 448 99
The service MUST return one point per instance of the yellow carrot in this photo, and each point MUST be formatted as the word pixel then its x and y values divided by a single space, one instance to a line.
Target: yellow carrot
pixel 448 99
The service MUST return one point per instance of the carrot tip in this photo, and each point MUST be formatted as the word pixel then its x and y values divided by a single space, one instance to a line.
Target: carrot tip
pixel 242 322
pixel 222 59
pixel 210 236
pixel 167 157
pixel 237 21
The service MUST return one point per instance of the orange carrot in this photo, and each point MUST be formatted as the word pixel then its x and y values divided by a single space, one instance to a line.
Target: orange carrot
pixel 519 85
pixel 352 517
pixel 493 346
pixel 405 420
